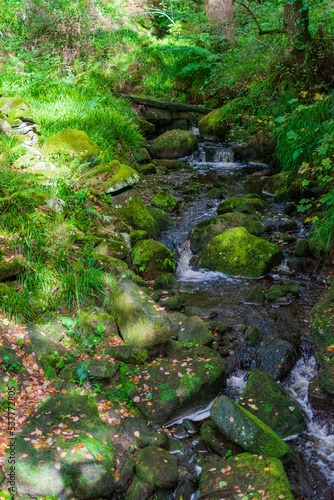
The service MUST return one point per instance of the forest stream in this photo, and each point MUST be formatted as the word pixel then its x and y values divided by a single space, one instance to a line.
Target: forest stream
pixel 213 295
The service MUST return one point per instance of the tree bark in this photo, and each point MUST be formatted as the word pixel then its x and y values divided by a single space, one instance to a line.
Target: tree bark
pixel 296 21
pixel 221 12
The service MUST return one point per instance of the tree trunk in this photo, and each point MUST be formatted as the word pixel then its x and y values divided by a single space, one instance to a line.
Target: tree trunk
pixel 220 12
pixel 296 21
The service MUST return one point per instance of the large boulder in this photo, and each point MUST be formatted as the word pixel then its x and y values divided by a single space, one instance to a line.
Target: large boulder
pixel 139 217
pixel 112 248
pixel 213 125
pixel 171 387
pixel 264 398
pixel 65 449
pixel 112 177
pixel 237 202
pixel 174 144
pixel 246 430
pixel 245 476
pixel 74 144
pixel 236 251
pixel 141 322
pixel 157 467
pixel 205 231
pixel 165 201
pixel 152 258
pixel 276 357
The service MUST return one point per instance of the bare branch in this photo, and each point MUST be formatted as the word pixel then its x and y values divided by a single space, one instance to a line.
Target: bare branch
pixel 274 31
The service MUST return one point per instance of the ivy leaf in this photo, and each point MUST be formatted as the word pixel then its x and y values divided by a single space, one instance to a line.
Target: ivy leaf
pixel 222 484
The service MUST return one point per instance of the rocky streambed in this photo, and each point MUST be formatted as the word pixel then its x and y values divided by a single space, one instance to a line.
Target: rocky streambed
pixel 213 377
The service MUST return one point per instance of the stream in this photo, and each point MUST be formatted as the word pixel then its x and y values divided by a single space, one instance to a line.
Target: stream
pixel 212 295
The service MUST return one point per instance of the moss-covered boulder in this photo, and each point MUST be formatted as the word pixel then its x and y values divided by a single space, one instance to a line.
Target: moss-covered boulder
pixel 162 218
pixel 279 183
pixel 128 354
pixel 171 387
pixel 235 203
pixel 245 476
pixel 165 201
pixel 147 169
pixel 157 467
pixel 265 399
pixel 246 430
pixel 98 369
pixel 10 268
pixel 152 258
pixel 213 125
pixel 73 143
pixel 165 281
pixel 174 144
pixel 112 177
pixel 138 216
pixel 191 330
pixel 237 252
pixel 50 463
pixel 276 357
pixel 205 231
pixel 89 320
pixel 16 107
pixel 256 295
pixel 140 322
pixel 112 248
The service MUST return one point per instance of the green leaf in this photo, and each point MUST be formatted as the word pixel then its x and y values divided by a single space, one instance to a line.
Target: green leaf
pixel 100 328
pixel 82 372
pixel 222 484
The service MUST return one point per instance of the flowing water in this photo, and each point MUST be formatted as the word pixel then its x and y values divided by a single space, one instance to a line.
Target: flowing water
pixel 210 294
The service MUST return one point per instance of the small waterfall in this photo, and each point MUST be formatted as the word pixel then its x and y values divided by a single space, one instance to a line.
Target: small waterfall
pixel 183 265
pixel 319 446
pixel 222 155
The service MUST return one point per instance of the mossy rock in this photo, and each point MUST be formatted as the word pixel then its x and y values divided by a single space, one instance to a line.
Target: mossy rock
pixel 141 323
pixel 170 164
pixel 266 399
pixel 151 258
pixel 191 330
pixel 97 369
pixel 213 125
pixel 136 236
pixel 274 292
pixel 73 143
pixel 165 201
pixel 174 144
pixel 112 177
pixel 162 219
pixel 15 107
pixel 232 204
pixel 303 248
pixel 279 183
pixel 85 465
pixel 110 264
pixel 205 231
pixel 128 354
pixel 11 361
pixel 256 295
pixel 214 440
pixel 89 321
pixel 236 252
pixel 112 248
pixel 142 156
pixel 245 476
pixel 246 430
pixel 173 303
pixel 165 281
pixel 157 467
pixel 253 335
pixel 175 386
pixel 276 358
pixel 139 217
pixel 147 169
pixel 11 268
pixel 138 431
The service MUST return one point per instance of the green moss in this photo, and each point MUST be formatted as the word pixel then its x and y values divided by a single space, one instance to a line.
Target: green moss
pixel 265 399
pixel 246 430
pixel 232 204
pixel 152 258
pixel 165 201
pixel 174 144
pixel 112 248
pixel 11 268
pixel 157 467
pixel 73 143
pixel 238 252
pixel 125 176
pixel 162 219
pixel 252 476
pixel 139 217
pixel 214 125
pixel 15 107
pixel 205 231
pixel 136 236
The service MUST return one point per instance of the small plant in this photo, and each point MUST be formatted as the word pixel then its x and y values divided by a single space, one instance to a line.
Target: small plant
pixel 82 372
